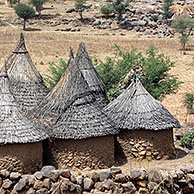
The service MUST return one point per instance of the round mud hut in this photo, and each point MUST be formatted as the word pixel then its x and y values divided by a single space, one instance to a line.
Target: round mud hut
pixel 82 136
pixel 91 76
pixel 146 126
pixel 26 83
pixel 20 140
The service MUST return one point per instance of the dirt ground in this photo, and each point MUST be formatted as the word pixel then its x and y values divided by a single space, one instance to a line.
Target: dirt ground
pixel 46 45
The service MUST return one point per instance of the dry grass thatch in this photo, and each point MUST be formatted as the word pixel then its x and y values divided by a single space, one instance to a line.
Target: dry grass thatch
pixel 26 83
pixel 136 109
pixel 15 127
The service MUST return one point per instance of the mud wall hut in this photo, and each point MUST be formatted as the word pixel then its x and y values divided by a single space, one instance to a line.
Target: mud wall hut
pixel 146 125
pixel 26 83
pixel 20 140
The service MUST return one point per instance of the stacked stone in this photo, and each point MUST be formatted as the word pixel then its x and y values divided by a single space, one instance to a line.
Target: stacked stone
pixel 111 181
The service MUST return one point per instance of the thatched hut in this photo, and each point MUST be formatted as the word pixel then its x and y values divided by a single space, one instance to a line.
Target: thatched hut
pixel 82 136
pixel 91 76
pixel 26 83
pixel 20 140
pixel 146 125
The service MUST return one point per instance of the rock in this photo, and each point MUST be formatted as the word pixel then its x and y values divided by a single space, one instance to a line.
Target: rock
pixel 4 173
pixel 188 189
pixel 99 186
pixel 138 174
pixel 6 184
pixel 140 23
pixel 30 191
pixel 71 187
pixel 129 187
pixel 105 175
pixel 20 185
pixel 88 184
pixel 96 23
pixel 115 170
pixel 142 183
pixel 70 10
pixel 73 178
pixel 46 171
pixel 79 180
pixel 65 173
pixel 42 191
pixel 189 169
pixel 151 186
pixel 136 28
pixel 109 184
pixel 38 175
pixel 179 174
pixel 54 175
pixel 30 180
pixel 15 175
pixel 64 187
pixel 120 178
pixel 47 183
pixel 38 184
pixel 154 176
pixel 94 176
pixel 143 191
pixel 78 189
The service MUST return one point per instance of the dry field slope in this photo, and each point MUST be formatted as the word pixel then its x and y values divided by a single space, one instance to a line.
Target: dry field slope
pixel 48 45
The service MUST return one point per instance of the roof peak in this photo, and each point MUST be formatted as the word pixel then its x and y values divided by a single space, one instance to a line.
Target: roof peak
pixel 3 72
pixel 21 47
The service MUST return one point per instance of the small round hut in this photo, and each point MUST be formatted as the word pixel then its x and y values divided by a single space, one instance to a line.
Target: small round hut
pixel 82 136
pixel 20 140
pixel 26 83
pixel 146 125
pixel 91 76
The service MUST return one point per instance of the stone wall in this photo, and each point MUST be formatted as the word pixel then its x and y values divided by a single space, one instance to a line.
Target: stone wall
pixel 111 181
pixel 97 152
pixel 146 144
pixel 23 158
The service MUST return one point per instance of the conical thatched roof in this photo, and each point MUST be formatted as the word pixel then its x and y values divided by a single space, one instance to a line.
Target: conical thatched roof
pixel 26 83
pixel 91 76
pixel 14 126
pixel 135 109
pixel 82 116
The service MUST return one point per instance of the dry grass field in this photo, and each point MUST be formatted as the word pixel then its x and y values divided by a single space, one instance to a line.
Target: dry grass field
pixel 46 45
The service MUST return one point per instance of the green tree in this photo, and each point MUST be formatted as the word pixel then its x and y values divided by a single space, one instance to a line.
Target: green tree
pixel 107 10
pixel 188 102
pixel 184 27
pixel 187 140
pixel 25 12
pixel 152 70
pixel 166 8
pixel 80 7
pixel 38 4
pixel 119 7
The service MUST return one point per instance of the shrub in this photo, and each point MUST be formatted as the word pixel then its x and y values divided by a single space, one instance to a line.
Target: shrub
pixel 80 6
pixel 14 2
pixel 188 102
pixel 184 27
pixel 152 68
pixel 56 72
pixel 25 12
pixel 187 140
pixel 38 4
pixel 166 8
pixel 107 10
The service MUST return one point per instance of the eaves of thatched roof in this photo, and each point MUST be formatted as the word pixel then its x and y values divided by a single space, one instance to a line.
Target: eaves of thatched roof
pixel 26 83
pixel 14 126
pixel 136 109
pixel 90 74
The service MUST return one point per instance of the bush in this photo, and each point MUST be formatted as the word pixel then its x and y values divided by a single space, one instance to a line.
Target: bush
pixel 38 4
pixel 14 2
pixel 184 27
pixel 187 140
pixel 107 10
pixel 166 8
pixel 25 12
pixel 56 72
pixel 80 6
pixel 188 102
pixel 152 68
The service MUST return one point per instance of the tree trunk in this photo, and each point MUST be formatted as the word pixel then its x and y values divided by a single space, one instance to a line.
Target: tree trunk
pixel 24 25
pixel 81 16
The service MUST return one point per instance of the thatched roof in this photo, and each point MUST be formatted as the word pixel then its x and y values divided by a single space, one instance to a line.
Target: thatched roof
pixel 136 109
pixel 26 83
pixel 82 116
pixel 14 126
pixel 90 74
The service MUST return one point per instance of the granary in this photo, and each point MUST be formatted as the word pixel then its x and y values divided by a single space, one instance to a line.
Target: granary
pixel 20 139
pixel 26 83
pixel 91 76
pixel 82 136
pixel 146 125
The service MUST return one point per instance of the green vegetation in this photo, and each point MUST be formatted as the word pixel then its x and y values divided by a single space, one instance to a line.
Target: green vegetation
pixel 166 8
pixel 56 72
pixel 80 6
pixel 38 4
pixel 107 10
pixel 14 2
pixel 119 7
pixel 187 140
pixel 152 69
pixel 25 12
pixel 188 102
pixel 184 27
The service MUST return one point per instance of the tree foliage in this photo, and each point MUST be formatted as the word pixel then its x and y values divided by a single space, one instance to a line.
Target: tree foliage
pixel 107 10
pixel 152 69
pixel 184 27
pixel 56 71
pixel 80 6
pixel 187 140
pixel 166 8
pixel 25 12
pixel 38 4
